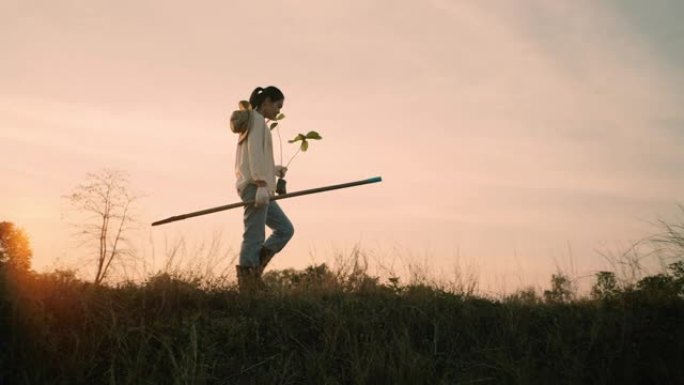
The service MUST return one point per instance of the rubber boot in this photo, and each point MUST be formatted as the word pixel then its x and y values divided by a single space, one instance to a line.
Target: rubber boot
pixel 249 279
pixel 265 256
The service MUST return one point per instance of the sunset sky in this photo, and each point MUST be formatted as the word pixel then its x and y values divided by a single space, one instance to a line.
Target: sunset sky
pixel 513 137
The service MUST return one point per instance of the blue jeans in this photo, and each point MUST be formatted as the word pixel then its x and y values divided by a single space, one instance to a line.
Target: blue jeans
pixel 256 219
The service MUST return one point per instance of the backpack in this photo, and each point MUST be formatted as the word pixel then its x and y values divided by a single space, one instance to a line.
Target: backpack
pixel 240 120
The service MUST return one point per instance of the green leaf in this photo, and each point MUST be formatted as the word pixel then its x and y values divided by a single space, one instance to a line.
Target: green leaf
pixel 313 135
pixel 274 125
pixel 297 138
pixel 305 145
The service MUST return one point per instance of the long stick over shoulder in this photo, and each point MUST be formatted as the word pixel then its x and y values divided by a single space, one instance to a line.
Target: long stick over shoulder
pixel 284 196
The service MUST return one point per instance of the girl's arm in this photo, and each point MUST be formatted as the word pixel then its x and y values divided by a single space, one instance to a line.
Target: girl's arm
pixel 255 152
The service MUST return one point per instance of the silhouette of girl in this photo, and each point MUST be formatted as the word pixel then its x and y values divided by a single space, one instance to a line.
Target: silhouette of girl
pixel 256 174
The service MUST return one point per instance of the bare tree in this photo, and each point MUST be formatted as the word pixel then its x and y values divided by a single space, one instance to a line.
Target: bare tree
pixel 106 201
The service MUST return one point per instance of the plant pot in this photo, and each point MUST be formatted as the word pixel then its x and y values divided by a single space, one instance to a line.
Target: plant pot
pixel 280 186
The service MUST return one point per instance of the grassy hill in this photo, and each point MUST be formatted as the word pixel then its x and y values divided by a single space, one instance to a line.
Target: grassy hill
pixel 317 327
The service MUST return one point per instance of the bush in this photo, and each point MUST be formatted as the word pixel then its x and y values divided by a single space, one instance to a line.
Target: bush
pixel 606 285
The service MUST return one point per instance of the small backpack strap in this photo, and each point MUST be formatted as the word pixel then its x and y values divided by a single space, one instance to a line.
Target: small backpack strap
pixel 245 133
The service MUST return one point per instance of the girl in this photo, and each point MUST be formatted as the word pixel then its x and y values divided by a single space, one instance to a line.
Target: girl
pixel 256 174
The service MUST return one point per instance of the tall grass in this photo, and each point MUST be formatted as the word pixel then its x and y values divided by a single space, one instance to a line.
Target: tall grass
pixel 344 326
pixel 319 326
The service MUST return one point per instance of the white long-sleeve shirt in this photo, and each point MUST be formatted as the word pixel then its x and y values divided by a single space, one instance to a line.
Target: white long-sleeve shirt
pixel 254 157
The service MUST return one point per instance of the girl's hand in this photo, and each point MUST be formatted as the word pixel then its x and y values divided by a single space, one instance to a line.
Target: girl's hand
pixel 262 197
pixel 280 171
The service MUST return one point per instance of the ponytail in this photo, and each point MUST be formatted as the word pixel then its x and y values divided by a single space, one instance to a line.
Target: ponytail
pixel 259 95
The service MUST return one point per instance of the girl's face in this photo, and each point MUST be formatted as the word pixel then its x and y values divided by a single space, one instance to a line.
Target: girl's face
pixel 270 109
